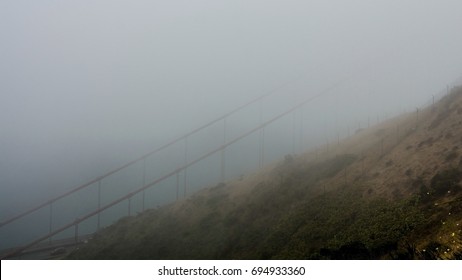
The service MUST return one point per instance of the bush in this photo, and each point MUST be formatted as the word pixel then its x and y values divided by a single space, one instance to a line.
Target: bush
pixel 445 181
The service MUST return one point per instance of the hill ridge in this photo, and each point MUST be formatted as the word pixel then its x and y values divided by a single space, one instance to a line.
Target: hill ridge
pixel 391 191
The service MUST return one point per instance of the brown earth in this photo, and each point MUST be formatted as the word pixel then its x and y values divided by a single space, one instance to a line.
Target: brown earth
pixel 405 173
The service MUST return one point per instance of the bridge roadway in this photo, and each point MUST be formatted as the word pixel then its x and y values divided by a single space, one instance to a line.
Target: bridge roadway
pixel 57 249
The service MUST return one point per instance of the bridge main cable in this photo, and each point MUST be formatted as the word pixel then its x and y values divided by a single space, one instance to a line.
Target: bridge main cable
pixel 192 132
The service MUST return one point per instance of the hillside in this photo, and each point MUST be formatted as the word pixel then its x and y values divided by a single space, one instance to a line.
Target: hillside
pixel 391 191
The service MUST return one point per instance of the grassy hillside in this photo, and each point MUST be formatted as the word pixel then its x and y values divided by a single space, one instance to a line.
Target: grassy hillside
pixel 389 192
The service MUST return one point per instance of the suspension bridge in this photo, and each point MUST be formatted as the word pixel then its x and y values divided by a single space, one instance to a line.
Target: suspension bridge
pixel 73 216
pixel 49 211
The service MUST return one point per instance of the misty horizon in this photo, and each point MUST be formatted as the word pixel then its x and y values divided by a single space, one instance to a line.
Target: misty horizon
pixel 87 86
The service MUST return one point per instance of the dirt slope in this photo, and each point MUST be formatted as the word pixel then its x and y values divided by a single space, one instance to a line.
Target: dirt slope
pixel 392 191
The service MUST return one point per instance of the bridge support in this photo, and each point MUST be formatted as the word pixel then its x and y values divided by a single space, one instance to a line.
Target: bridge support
pixel 177 185
pixel 294 129
pixel 129 206
pixel 222 177
pixel 362 164
pixel 98 225
pixel 302 131
pixel 262 147
pixel 185 163
pixel 76 231
pixel 381 147
pixel 143 195
pixel 50 226
pixel 222 166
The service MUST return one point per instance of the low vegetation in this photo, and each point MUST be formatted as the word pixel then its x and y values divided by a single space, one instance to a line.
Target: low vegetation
pixel 404 204
pixel 283 219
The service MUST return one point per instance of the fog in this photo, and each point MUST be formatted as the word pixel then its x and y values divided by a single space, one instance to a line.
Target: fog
pixel 86 86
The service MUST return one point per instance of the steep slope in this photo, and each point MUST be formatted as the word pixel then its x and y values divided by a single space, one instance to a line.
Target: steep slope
pixel 389 192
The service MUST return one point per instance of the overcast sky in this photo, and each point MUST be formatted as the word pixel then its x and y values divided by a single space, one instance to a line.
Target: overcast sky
pixel 80 80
